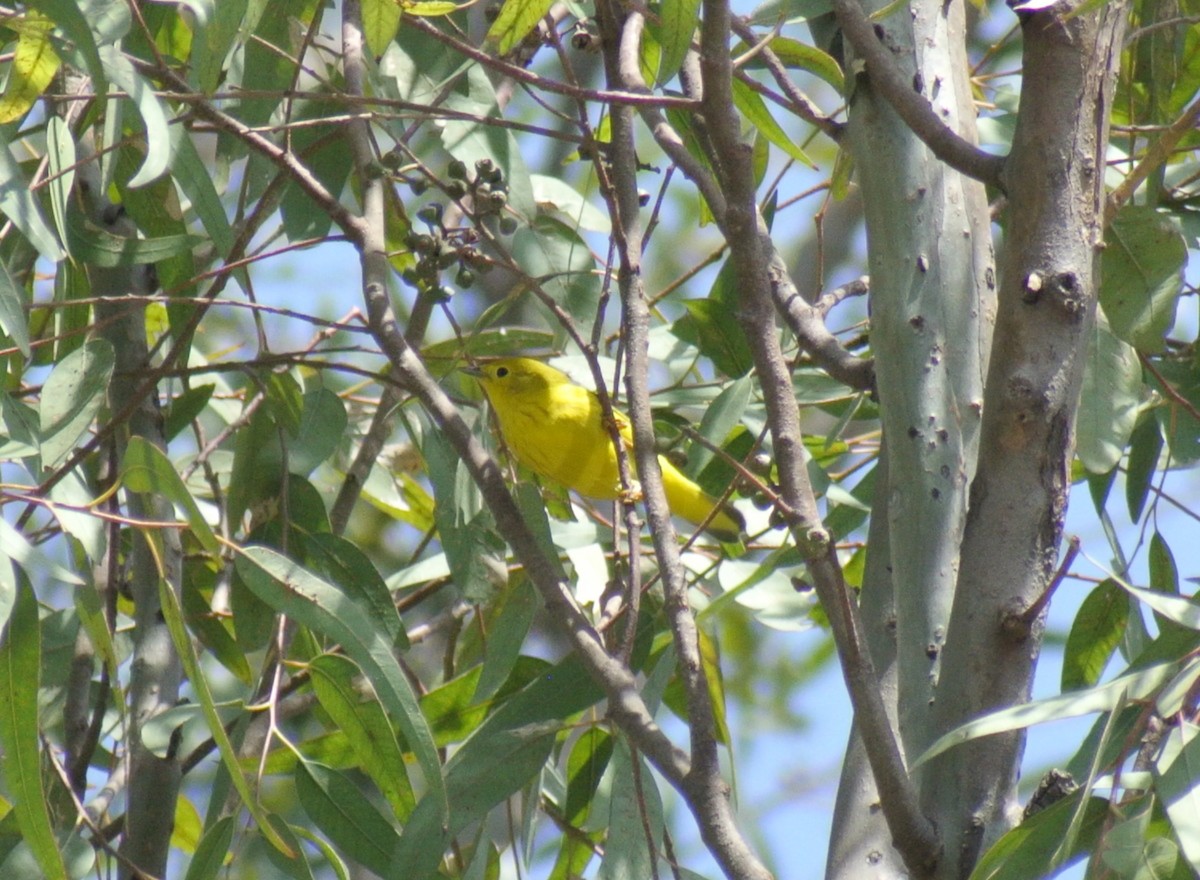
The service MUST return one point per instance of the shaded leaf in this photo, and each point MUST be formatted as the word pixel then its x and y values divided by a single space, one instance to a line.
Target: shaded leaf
pixel 1141 274
pixel 20 676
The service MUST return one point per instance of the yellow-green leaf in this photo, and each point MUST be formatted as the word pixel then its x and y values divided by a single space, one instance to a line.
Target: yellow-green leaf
pixel 516 19
pixel 33 67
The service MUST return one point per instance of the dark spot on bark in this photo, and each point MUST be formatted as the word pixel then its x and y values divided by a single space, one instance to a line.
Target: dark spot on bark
pixel 1068 291
pixel 943 434
pixel 913 433
pixel 880 33
pixel 918 83
pixel 989 278
pixel 935 494
pixel 944 470
pixel 917 322
pixel 922 263
pixel 931 651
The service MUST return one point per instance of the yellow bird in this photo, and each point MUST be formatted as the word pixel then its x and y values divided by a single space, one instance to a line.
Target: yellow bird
pixel 555 428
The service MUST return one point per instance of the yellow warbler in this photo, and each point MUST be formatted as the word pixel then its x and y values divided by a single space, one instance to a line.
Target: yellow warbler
pixel 555 428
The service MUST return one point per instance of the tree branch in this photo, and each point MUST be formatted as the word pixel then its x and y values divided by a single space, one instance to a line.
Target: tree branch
pixel 626 706
pixel 911 105
pixel 747 237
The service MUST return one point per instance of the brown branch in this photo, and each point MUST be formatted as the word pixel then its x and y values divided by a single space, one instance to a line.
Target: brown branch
pixel 886 76
pixel 626 706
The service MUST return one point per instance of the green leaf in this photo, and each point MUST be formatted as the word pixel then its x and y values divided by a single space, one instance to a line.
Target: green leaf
pixel 635 819
pixel 186 408
pixel 99 247
pixel 20 677
pixel 516 19
pixel 60 153
pixel 720 418
pixel 322 428
pixel 1095 634
pixel 1030 849
pixel 153 115
pixel 381 20
pixel 213 40
pixel 209 858
pixel 1179 425
pixel 17 202
pixel 474 551
pixel 586 765
pixel 507 629
pixel 68 16
pixel 323 608
pixel 172 615
pixel 1145 447
pixel 802 56
pixel 712 327
pixel 366 727
pixel 428 8
pixel 1132 686
pixel 1141 274
pixel 342 563
pixel 12 311
pixel 147 469
pixel 755 110
pixel 1176 771
pixel 338 808
pixel 1108 406
pixel 71 397
pixel 32 68
pixel 678 25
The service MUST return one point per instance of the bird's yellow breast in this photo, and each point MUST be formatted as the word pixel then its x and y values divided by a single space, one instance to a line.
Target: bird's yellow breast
pixel 555 435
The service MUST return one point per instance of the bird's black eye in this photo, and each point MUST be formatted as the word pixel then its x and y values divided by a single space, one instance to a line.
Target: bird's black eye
pixel 501 372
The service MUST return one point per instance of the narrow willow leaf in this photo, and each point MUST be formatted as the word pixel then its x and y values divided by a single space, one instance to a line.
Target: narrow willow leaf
pixel 1145 446
pixel 1142 274
pixel 209 858
pixel 20 677
pixel 99 247
pixel 147 469
pixel 1130 687
pixel 153 115
pixel 12 311
pixel 73 394
pixel 1108 405
pixel 755 110
pixel 337 807
pixel 172 615
pixel 17 202
pixel 367 728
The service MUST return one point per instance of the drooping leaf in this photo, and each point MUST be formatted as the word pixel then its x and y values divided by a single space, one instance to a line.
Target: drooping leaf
pixel 20 676
pixel 1108 406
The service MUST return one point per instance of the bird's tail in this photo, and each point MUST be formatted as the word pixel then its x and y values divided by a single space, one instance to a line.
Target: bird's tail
pixel 692 503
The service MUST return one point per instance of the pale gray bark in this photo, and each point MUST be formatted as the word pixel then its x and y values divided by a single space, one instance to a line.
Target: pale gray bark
pixel 1049 274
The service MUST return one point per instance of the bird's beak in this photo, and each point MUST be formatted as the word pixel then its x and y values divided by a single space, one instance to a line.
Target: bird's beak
pixel 471 371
